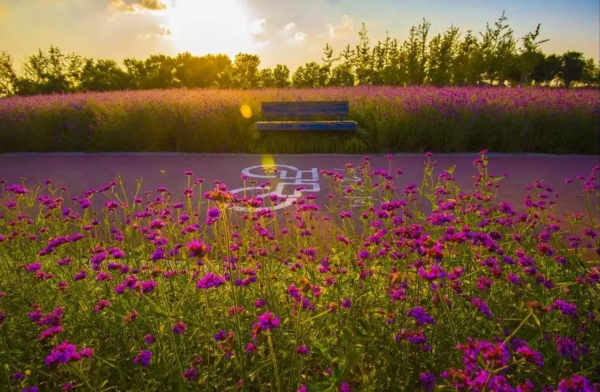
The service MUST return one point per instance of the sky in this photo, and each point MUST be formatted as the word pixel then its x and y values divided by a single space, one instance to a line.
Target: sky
pixel 291 32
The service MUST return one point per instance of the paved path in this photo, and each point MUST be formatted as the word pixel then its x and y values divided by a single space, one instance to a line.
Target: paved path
pixel 84 171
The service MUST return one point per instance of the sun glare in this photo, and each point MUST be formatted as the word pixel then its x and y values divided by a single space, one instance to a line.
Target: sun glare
pixel 209 26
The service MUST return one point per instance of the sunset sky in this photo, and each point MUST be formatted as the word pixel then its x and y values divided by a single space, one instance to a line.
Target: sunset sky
pixel 280 31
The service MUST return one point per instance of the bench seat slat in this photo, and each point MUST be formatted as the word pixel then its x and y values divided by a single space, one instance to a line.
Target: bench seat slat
pixel 305 109
pixel 307 126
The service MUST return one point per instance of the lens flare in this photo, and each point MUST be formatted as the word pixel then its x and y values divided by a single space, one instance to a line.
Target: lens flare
pixel 268 164
pixel 246 111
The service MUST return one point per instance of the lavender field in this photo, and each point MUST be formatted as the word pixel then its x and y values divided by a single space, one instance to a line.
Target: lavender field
pixel 391 119
pixel 423 287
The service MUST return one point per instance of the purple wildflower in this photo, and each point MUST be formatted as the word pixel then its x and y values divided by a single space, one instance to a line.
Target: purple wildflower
pixel 420 315
pixel 143 358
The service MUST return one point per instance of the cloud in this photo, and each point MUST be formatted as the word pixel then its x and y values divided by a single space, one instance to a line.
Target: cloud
pixel 154 5
pixel 143 5
pixel 289 26
pixel 341 29
pixel 258 27
pixel 300 36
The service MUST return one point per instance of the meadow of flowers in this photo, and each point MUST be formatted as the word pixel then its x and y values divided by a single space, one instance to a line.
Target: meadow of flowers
pixel 391 119
pixel 422 287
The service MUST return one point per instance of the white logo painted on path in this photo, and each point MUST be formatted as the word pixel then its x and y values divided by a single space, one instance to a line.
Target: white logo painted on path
pixel 291 177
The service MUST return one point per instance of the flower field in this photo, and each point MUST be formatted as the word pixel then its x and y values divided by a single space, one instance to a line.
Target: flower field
pixel 391 119
pixel 424 287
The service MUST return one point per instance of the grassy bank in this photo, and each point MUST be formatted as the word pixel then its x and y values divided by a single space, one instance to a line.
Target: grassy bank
pixel 391 119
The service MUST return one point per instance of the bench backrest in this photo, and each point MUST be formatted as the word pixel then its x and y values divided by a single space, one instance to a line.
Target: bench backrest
pixel 305 109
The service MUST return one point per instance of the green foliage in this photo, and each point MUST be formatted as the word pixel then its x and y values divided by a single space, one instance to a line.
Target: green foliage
pixel 573 65
pixel 245 71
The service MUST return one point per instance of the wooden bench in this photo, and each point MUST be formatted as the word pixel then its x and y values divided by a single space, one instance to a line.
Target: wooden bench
pixel 304 110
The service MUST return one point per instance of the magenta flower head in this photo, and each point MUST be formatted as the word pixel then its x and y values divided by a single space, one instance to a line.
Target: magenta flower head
pixel 143 358
pixel 179 328
pixel 33 267
pixel 197 248
pixel 302 350
pixel 530 355
pixel 190 374
pixel 148 338
pixel 214 213
pixel 576 383
pixel 482 306
pixel 63 353
pixel 566 308
pixel 420 315
pixel 427 380
pixel 268 320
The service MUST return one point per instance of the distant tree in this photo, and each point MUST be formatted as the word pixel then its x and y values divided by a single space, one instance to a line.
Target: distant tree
pixel 266 78
pixel 442 52
pixel 281 74
pixel 547 69
pixel 499 51
pixel 245 71
pixel 103 75
pixel 529 56
pixel 591 73
pixel 160 72
pixel 310 75
pixel 136 70
pixel 50 72
pixel 572 68
pixel 363 60
pixel 415 49
pixel 468 66
pixel 8 77
pixel 395 72
pixel 341 76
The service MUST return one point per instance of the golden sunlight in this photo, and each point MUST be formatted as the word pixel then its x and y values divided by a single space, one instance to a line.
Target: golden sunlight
pixel 209 26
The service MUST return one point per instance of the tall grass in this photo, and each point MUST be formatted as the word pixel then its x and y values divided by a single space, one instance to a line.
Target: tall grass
pixel 391 119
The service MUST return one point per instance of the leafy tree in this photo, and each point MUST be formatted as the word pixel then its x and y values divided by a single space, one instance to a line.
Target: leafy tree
pixel 266 78
pixel 8 77
pixel 547 69
pixel 160 72
pixel 442 51
pixel 529 56
pixel 591 74
pixel 136 69
pixel 416 53
pixel 498 49
pixel 310 75
pixel 281 74
pixel 103 75
pixel 245 71
pixel 50 72
pixel 341 76
pixel 469 64
pixel 572 68
pixel 363 61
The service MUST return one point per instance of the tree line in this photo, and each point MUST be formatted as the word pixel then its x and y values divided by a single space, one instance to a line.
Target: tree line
pixel 492 57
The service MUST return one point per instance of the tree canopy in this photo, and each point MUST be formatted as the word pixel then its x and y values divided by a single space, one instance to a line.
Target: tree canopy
pixel 452 58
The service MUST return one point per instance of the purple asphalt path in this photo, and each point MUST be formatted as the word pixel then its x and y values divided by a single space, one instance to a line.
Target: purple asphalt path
pixel 80 172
